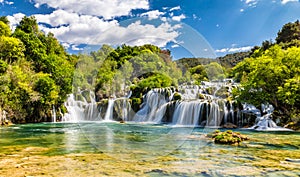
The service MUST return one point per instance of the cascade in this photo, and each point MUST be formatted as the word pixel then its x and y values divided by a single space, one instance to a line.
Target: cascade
pixel 265 123
pixel 75 110
pixel 194 105
pixel 109 111
pixel 191 110
pixel 81 108
pixel 153 101
pixel 53 114
pixel 188 113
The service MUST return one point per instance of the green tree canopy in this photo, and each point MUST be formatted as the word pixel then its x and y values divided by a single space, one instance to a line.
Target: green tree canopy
pixel 4 29
pixel 289 32
pixel 11 49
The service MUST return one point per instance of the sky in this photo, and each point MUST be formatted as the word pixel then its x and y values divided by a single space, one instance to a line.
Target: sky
pixel 189 28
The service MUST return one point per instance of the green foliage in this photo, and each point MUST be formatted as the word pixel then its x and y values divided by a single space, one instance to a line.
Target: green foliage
pixel 47 88
pixel 4 29
pixel 199 74
pixel 36 72
pixel 272 77
pixel 3 67
pixel 35 50
pixel 139 67
pixel 215 71
pixel 135 103
pixel 4 19
pixel 155 81
pixel 28 25
pixel 176 96
pixel 289 93
pixel 289 32
pixel 231 60
pixel 11 49
pixel 187 63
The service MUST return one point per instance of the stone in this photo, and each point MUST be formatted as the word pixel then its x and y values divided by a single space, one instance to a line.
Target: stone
pixel 229 125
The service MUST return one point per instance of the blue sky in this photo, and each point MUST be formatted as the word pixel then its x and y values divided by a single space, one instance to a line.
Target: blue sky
pixel 198 28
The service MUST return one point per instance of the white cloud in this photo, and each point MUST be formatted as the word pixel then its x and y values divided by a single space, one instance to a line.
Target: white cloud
pixel 251 3
pixel 90 22
pixel 234 49
pixel 15 19
pixel 241 10
pixel 178 18
pixel 76 48
pixel 164 19
pixel 9 2
pixel 154 14
pixel 287 1
pixel 175 46
pixel 138 34
pixel 107 9
pixel 6 2
pixel 61 17
pixel 175 8
pixel 77 29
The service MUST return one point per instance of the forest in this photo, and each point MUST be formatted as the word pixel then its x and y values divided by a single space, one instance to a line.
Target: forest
pixel 37 74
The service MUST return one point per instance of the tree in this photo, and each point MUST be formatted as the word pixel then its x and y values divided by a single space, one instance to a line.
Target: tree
pixel 215 71
pixel 199 74
pixel 11 49
pixel 28 25
pixel 36 72
pixel 4 29
pixel 4 19
pixel 289 32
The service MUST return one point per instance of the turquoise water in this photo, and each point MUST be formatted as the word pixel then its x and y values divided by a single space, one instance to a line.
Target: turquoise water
pixel 181 151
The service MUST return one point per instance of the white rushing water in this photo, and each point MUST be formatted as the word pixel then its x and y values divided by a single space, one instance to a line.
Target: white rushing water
pixel 81 109
pixel 199 105
pixel 109 111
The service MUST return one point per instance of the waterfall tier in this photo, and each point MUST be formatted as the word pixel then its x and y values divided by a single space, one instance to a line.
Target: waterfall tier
pixel 208 104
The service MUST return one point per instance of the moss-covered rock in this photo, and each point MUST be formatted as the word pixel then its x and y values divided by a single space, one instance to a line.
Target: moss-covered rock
pixel 176 96
pixel 201 96
pixel 228 137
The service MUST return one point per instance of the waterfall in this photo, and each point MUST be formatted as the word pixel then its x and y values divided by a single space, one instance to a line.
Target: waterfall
pixel 151 109
pixel 110 110
pixel 189 110
pixel 207 104
pixel 214 117
pixel 53 114
pixel 75 110
pixel 265 123
pixel 82 108
pixel 188 113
